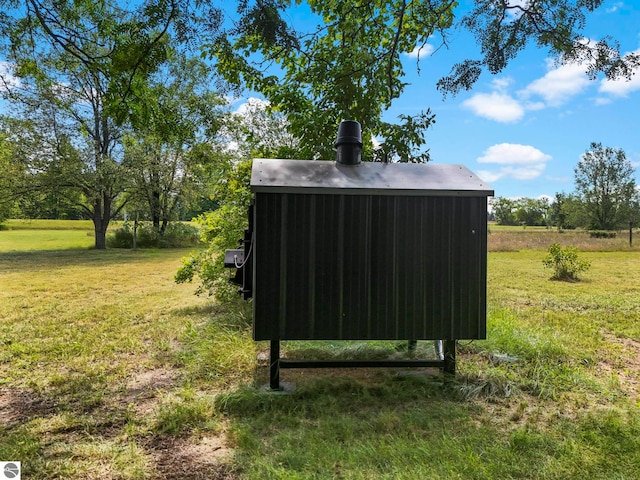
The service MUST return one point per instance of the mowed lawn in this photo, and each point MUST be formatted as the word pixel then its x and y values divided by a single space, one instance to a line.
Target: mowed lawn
pixel 109 370
pixel 24 235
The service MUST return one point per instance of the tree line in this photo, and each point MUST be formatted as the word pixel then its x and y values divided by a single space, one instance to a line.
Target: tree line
pixel 605 197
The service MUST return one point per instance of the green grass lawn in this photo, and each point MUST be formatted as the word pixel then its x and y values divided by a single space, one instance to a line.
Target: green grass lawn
pixel 109 370
pixel 22 235
pixel 44 224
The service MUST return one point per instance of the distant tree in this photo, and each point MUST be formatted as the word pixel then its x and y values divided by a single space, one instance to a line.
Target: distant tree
pixel 259 131
pixel 504 211
pixel 521 211
pixel 568 212
pixel 558 214
pixel 248 135
pixel 532 211
pixel 604 179
pixel 167 153
pixel 79 64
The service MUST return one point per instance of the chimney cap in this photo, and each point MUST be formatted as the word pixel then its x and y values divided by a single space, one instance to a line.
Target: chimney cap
pixel 349 132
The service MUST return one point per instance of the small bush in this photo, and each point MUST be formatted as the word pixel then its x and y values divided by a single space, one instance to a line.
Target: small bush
pixel 602 234
pixel 176 235
pixel 565 262
pixel 121 237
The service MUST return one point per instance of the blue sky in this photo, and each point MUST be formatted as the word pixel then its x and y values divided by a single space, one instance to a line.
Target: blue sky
pixel 524 130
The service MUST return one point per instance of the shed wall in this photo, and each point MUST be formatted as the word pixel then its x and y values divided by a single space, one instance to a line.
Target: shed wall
pixel 358 267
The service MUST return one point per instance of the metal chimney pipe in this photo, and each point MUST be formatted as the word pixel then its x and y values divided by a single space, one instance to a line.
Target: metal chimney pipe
pixel 349 143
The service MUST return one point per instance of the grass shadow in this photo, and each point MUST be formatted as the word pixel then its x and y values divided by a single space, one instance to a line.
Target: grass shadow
pixel 369 424
pixel 37 260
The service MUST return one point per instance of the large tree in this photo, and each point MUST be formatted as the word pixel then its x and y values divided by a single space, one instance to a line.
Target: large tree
pixel 604 179
pixel 344 60
pixel 167 154
pixel 83 66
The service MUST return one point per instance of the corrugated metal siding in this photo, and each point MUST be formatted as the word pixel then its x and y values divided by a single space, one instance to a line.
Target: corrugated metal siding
pixel 357 267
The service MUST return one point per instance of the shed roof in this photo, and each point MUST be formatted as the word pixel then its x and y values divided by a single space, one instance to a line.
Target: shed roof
pixel 367 178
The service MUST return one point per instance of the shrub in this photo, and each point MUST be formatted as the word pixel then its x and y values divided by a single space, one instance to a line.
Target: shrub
pixel 180 234
pixel 121 237
pixel 220 230
pixel 602 234
pixel 565 262
pixel 176 235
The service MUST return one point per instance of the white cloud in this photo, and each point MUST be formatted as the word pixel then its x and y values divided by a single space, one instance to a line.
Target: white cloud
pixel 519 162
pixel 620 87
pixel 501 83
pixel 7 78
pixel 555 88
pixel 251 105
pixel 516 12
pixel 513 154
pixel 421 51
pixel 489 176
pixel 615 7
pixel 497 106
pixel 558 85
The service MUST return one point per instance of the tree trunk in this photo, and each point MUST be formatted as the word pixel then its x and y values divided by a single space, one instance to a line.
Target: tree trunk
pixel 101 218
pixel 101 238
pixel 155 210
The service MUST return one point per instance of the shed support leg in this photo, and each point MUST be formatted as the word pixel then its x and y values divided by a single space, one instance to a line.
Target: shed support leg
pixel 274 365
pixel 450 357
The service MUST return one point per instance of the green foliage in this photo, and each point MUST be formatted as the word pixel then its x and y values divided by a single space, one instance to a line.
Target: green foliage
pixel 504 30
pixel 13 169
pixel 521 211
pixel 347 67
pixel 176 235
pixel 568 212
pixel 503 211
pixel 565 262
pixel 169 150
pixel 220 229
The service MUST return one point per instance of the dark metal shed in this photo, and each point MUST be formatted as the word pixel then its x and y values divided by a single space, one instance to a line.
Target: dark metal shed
pixel 370 251
pixel 365 251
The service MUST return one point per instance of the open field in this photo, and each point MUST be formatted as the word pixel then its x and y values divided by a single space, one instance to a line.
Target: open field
pixel 22 235
pixel 511 239
pixel 108 370
pixel 43 224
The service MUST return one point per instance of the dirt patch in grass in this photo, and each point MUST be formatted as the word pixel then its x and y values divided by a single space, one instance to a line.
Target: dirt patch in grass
pixel 626 365
pixel 204 457
pixel 18 406
pixel 143 389
pixel 196 459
